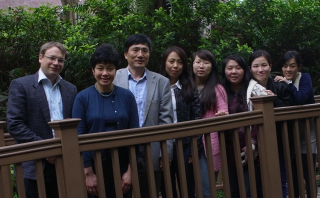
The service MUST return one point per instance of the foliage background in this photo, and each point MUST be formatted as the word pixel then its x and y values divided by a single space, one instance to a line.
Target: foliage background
pixel 223 28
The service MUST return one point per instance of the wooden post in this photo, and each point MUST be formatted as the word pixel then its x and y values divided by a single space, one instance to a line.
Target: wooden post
pixel 269 156
pixel 73 173
pixel 6 189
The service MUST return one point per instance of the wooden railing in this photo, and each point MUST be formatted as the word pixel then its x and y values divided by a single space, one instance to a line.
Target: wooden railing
pixel 67 147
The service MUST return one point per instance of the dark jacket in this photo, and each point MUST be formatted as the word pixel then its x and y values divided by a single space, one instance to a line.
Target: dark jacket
pixel 187 110
pixel 28 113
pixel 284 98
pixel 284 95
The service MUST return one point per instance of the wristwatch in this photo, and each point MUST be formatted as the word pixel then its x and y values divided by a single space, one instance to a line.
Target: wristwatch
pixel 289 82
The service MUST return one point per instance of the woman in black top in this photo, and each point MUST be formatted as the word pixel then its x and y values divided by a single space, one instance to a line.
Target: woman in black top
pixel 186 106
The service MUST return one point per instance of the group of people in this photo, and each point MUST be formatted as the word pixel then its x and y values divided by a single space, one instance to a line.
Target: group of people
pixel 135 97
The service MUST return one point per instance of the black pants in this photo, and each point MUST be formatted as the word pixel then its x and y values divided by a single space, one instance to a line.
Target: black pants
pixel 109 179
pixel 305 174
pixel 51 186
pixel 174 172
pixel 234 186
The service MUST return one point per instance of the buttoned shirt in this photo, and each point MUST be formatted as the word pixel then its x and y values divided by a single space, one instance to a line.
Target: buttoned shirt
pixel 53 95
pixel 139 90
pixel 174 103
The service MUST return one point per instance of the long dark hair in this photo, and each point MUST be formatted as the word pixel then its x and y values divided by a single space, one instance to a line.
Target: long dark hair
pixel 208 97
pixel 242 92
pixel 185 79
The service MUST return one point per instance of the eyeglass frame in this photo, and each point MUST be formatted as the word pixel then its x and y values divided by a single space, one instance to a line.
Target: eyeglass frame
pixel 53 58
pixel 201 63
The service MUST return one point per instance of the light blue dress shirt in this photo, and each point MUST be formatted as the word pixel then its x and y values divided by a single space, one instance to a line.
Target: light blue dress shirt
pixel 53 95
pixel 139 90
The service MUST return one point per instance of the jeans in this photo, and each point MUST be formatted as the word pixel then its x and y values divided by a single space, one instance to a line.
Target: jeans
pixel 204 174
pixel 283 175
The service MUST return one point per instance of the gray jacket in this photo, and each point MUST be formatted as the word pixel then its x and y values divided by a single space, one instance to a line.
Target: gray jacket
pixel 158 106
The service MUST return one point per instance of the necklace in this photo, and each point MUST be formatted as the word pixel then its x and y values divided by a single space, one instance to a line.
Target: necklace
pixel 104 95
pixel 200 89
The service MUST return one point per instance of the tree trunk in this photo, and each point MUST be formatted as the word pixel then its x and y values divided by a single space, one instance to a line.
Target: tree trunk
pixel 70 15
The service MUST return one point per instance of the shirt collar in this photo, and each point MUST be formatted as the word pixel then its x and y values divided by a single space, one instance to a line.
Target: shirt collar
pixel 176 85
pixel 42 76
pixel 130 75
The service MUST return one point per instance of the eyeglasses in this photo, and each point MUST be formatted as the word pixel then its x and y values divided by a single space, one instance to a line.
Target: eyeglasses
pixel 53 58
pixel 198 63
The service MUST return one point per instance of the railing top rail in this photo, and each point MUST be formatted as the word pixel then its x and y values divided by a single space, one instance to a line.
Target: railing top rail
pixel 2 123
pixel 169 131
pixel 29 151
pixel 297 112
pixel 317 98
pixel 34 150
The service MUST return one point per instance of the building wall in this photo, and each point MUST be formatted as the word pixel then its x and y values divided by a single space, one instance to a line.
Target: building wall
pixel 32 3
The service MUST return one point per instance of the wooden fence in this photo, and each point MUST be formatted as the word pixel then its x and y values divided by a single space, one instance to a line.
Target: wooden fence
pixel 67 147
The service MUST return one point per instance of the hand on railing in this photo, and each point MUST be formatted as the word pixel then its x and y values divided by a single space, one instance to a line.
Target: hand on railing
pixel 160 163
pixel 126 181
pixel 190 160
pixel 51 160
pixel 221 113
pixel 91 181
pixel 269 92
pixel 244 155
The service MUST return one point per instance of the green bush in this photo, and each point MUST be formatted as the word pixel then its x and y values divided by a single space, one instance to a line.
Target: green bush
pixel 223 28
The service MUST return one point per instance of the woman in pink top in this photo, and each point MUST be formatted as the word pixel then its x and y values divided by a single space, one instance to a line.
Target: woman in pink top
pixel 213 101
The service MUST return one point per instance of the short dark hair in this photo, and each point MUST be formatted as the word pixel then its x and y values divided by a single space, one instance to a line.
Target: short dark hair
pixel 260 53
pixel 51 44
pixel 185 79
pixel 137 39
pixel 290 55
pixel 105 53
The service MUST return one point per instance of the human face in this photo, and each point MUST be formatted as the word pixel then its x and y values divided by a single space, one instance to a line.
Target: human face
pixel 51 63
pixel 201 68
pixel 174 67
pixel 104 73
pixel 234 73
pixel 137 56
pixel 290 69
pixel 260 70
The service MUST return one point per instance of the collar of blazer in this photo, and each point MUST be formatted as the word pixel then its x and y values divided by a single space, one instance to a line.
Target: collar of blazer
pixel 151 86
pixel 40 95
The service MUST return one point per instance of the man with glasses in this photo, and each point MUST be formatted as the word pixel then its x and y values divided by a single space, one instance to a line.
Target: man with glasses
pixel 153 97
pixel 34 101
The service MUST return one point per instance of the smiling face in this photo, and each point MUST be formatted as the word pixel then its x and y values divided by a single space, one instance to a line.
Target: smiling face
pixel 104 73
pixel 51 63
pixel 260 70
pixel 234 73
pixel 201 68
pixel 174 67
pixel 290 69
pixel 137 56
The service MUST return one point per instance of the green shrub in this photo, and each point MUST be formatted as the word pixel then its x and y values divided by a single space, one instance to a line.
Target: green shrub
pixel 223 28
